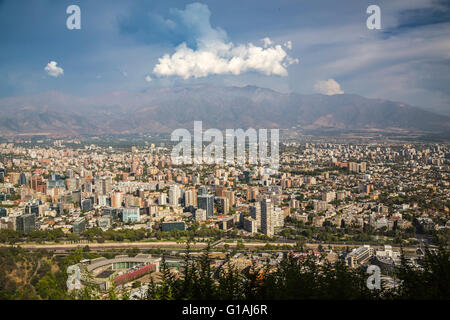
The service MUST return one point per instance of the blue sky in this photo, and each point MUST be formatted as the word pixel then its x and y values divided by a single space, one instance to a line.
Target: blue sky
pixel 311 46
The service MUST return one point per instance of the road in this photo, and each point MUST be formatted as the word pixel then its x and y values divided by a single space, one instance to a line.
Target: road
pixel 175 245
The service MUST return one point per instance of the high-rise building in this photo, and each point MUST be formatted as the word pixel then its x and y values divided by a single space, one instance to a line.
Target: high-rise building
pixel 278 217
pixel 86 204
pixel 103 185
pixel 103 201
pixel 38 184
pixel 267 217
pixel 22 179
pixel 174 195
pixel 200 215
pixel 206 202
pixel 252 193
pixel 362 167
pixel 226 224
pixel 250 225
pixel 188 198
pixel 231 198
pixel 202 191
pixel 32 209
pixel 55 181
pixel 105 221
pixel 162 199
pixel 79 226
pixel 26 223
pixel 73 184
pixel 225 205
pixel 220 191
pixel 131 215
pixel 116 199
pixel 255 213
pixel 110 212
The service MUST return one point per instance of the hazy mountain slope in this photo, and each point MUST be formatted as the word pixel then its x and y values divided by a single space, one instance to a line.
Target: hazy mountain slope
pixel 165 109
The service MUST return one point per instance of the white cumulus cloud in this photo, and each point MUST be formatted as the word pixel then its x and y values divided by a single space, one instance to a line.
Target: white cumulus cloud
pixel 148 78
pixel 288 45
pixel 53 70
pixel 329 87
pixel 267 42
pixel 216 56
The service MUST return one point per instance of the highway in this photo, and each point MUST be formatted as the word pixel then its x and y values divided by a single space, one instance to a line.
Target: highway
pixel 177 245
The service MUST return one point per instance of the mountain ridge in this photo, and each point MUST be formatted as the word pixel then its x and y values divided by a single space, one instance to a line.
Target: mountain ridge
pixel 162 110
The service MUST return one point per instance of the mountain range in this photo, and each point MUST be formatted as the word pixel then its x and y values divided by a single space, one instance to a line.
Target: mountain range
pixel 161 110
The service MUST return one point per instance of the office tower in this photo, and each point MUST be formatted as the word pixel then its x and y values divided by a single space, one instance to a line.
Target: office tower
pixel 231 198
pixel 87 187
pixel 196 179
pixel 38 185
pixel 110 212
pixel 105 221
pixel 32 209
pixel 206 202
pixel 202 191
pixel 225 205
pixel 86 204
pixel 116 199
pixel 55 181
pixel 79 226
pixel 267 217
pixel 174 195
pixel 103 200
pixel 22 179
pixel 252 193
pixel 255 213
pixel 200 215
pixel 220 191
pixel 250 225
pixel 362 167
pixel 103 185
pixel 226 224
pixel 188 198
pixel 26 223
pixel 73 184
pixel 278 217
pixel 98 185
pixel 162 199
pixel 14 177
pixel 131 215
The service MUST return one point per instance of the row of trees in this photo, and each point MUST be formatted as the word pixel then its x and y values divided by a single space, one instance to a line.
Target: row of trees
pixel 301 279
